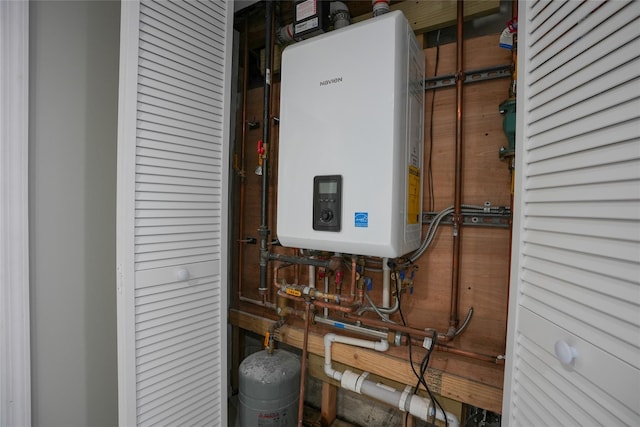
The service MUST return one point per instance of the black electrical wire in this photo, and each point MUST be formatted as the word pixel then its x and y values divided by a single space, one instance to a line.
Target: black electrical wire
pixel 423 371
pixel 433 102
pixel 471 417
pixel 425 361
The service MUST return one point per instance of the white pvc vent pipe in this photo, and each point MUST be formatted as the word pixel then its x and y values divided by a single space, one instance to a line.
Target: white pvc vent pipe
pixel 380 7
pixel 405 400
pixel 339 12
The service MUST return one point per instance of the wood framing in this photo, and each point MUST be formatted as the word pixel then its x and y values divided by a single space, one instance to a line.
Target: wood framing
pixel 484 258
pixel 464 390
pixel 426 16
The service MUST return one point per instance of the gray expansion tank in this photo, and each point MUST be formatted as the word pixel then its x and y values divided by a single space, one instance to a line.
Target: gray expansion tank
pixel 268 389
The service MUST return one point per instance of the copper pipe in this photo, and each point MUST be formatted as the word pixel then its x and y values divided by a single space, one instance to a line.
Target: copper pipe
pixel 341 308
pixel 461 352
pixel 353 297
pixel 318 302
pixel 276 274
pixel 457 206
pixel 262 303
pixel 245 89
pixel 303 365
pixel 263 229
pixel 272 147
pixel 424 333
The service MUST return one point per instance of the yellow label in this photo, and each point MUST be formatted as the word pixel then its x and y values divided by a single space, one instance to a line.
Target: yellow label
pixel 413 195
pixel 293 292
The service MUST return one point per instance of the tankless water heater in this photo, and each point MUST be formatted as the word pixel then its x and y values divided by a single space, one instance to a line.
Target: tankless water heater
pixel 351 140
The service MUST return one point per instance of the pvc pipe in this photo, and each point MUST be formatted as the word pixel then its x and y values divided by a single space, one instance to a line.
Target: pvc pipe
pixel 329 339
pixel 284 34
pixel 312 276
pixel 386 283
pixel 341 18
pixel 405 401
pixel 380 7
pixel 374 333
pixel 340 13
pixel 381 392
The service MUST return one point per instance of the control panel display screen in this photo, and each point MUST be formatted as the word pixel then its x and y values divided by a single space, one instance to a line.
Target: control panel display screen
pixel 327 203
pixel 328 187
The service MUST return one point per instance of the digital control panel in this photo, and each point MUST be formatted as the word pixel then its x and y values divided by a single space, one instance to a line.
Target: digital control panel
pixel 327 203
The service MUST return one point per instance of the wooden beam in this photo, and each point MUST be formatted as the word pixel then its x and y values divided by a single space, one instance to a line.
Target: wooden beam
pixel 430 15
pixel 445 384
pixel 328 405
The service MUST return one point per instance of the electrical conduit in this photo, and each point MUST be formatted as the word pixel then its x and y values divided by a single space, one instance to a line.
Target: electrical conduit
pixel 404 400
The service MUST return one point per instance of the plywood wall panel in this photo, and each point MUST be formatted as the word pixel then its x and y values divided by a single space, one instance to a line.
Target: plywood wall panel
pixel 485 251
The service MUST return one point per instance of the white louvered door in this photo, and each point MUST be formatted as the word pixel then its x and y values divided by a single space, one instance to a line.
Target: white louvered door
pixel 173 141
pixel 576 258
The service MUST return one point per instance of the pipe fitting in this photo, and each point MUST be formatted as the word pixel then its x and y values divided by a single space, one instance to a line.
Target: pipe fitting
pixel 359 383
pixel 340 14
pixel 284 34
pixel 380 7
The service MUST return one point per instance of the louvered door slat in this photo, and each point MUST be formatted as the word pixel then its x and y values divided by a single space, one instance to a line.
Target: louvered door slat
pixel 542 12
pixel 156 126
pixel 576 249
pixel 173 117
pixel 594 157
pixel 558 68
pixel 152 41
pixel 599 138
pixel 562 31
pixel 628 111
pixel 172 75
pixel 173 189
pixel 152 351
pixel 165 169
pixel 154 82
pixel 149 137
pixel 148 332
pixel 182 389
pixel 185 353
pixel 177 67
pixel 576 106
pixel 174 103
pixel 151 204
pixel 623 170
pixel 548 30
pixel 172 29
pixel 204 23
pixel 620 292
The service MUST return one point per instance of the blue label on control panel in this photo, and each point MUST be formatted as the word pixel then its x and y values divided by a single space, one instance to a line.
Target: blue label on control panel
pixel 361 219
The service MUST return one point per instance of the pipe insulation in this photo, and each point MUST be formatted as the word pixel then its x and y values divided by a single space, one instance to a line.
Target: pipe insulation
pixel 405 400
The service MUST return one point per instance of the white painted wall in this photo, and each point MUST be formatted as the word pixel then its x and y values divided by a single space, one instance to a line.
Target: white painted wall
pixel 73 117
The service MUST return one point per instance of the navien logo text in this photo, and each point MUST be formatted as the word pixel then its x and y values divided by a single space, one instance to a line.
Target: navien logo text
pixel 331 81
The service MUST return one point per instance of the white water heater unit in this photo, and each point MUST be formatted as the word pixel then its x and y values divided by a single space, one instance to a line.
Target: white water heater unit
pixel 351 140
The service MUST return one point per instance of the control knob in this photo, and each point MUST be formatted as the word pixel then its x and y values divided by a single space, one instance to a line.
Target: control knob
pixel 326 215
